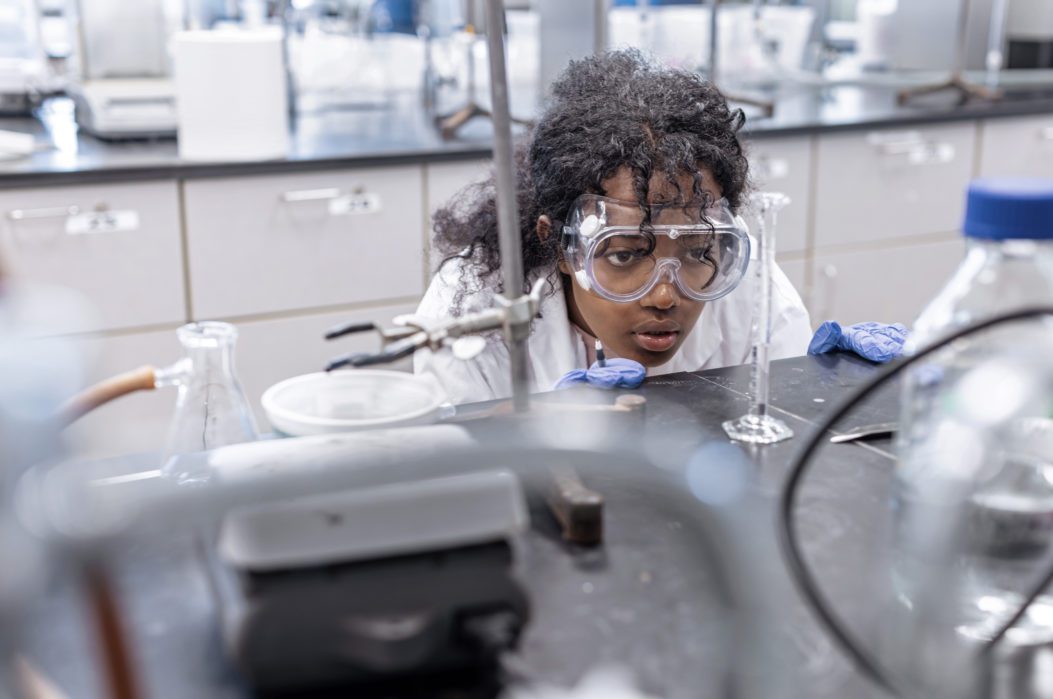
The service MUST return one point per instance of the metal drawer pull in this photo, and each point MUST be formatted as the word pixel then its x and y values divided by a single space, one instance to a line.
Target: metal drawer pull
pixel 933 153
pixel 48 212
pixel 1046 134
pixel 312 195
pixel 103 220
pixel 341 202
pixel 355 203
pixel 772 168
pixel 913 146
pixel 881 139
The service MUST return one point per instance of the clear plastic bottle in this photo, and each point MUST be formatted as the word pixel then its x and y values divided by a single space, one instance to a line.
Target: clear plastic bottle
pixel 211 410
pixel 974 482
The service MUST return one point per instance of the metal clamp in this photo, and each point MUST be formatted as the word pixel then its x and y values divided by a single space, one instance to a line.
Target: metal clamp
pixel 413 333
pixel 519 313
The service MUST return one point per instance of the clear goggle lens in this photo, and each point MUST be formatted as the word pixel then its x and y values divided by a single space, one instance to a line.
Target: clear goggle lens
pixel 706 259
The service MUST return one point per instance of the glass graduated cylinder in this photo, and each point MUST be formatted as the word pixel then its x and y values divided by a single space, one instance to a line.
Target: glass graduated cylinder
pixel 757 426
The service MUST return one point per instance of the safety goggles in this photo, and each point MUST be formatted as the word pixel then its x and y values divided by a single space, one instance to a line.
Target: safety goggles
pixel 618 255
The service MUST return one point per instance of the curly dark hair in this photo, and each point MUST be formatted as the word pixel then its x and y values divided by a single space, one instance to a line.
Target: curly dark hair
pixel 605 112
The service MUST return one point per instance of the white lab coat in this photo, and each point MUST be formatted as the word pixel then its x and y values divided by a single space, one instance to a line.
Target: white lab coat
pixel 722 337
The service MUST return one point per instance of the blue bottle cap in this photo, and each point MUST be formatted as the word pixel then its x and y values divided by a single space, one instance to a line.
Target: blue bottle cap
pixel 1007 208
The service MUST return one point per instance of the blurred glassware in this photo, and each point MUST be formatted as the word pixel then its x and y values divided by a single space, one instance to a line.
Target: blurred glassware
pixel 24 73
pixel 38 369
pixel 762 42
pixel 876 32
pixel 212 409
pixel 974 484
pixel 346 54
pixel 120 80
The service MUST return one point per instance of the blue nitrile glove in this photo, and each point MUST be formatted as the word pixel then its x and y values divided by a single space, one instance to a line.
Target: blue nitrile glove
pixel 877 342
pixel 619 373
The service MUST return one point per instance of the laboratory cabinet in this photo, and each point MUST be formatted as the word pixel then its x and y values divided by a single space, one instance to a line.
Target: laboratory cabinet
pixel 886 283
pixel 785 165
pixel 441 182
pixel 137 422
pixel 118 244
pixel 1018 147
pixel 889 184
pixel 795 267
pixel 277 243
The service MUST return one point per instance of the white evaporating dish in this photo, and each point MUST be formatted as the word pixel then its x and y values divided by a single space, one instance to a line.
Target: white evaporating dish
pixel 347 401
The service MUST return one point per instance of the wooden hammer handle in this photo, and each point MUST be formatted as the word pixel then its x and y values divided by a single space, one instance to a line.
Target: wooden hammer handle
pixel 578 510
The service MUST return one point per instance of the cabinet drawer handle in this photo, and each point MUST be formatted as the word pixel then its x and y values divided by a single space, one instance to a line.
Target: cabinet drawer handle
pixel 325 194
pixel 103 220
pixel 772 168
pixel 1046 134
pixel 340 202
pixel 48 212
pixel 914 147
pixel 893 139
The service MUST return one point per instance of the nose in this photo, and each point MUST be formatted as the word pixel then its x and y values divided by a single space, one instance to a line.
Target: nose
pixel 664 296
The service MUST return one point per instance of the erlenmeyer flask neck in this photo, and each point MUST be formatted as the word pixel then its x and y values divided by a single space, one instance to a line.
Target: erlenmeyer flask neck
pixel 208 337
pixel 210 347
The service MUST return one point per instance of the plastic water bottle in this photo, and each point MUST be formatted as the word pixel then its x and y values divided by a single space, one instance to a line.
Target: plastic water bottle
pixel 974 482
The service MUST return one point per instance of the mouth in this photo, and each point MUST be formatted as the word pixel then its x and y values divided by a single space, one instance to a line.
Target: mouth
pixel 657 336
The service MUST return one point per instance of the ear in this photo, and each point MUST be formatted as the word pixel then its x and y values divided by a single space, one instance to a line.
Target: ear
pixel 543 227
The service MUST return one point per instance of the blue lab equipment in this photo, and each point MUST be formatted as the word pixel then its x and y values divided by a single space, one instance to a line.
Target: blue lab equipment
pixel 394 16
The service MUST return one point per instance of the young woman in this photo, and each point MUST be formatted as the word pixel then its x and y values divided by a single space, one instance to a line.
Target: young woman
pixel 628 195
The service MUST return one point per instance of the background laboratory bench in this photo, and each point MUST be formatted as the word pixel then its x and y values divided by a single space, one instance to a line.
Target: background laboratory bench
pixel 649 597
pixel 338 231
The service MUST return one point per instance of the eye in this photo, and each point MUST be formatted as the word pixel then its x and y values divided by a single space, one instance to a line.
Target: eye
pixel 700 250
pixel 624 257
pixel 698 253
pixel 624 250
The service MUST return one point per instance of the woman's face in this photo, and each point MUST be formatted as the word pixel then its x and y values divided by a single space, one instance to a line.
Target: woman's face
pixel 651 329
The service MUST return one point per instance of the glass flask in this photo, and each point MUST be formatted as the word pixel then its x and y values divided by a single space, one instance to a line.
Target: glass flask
pixel 211 410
